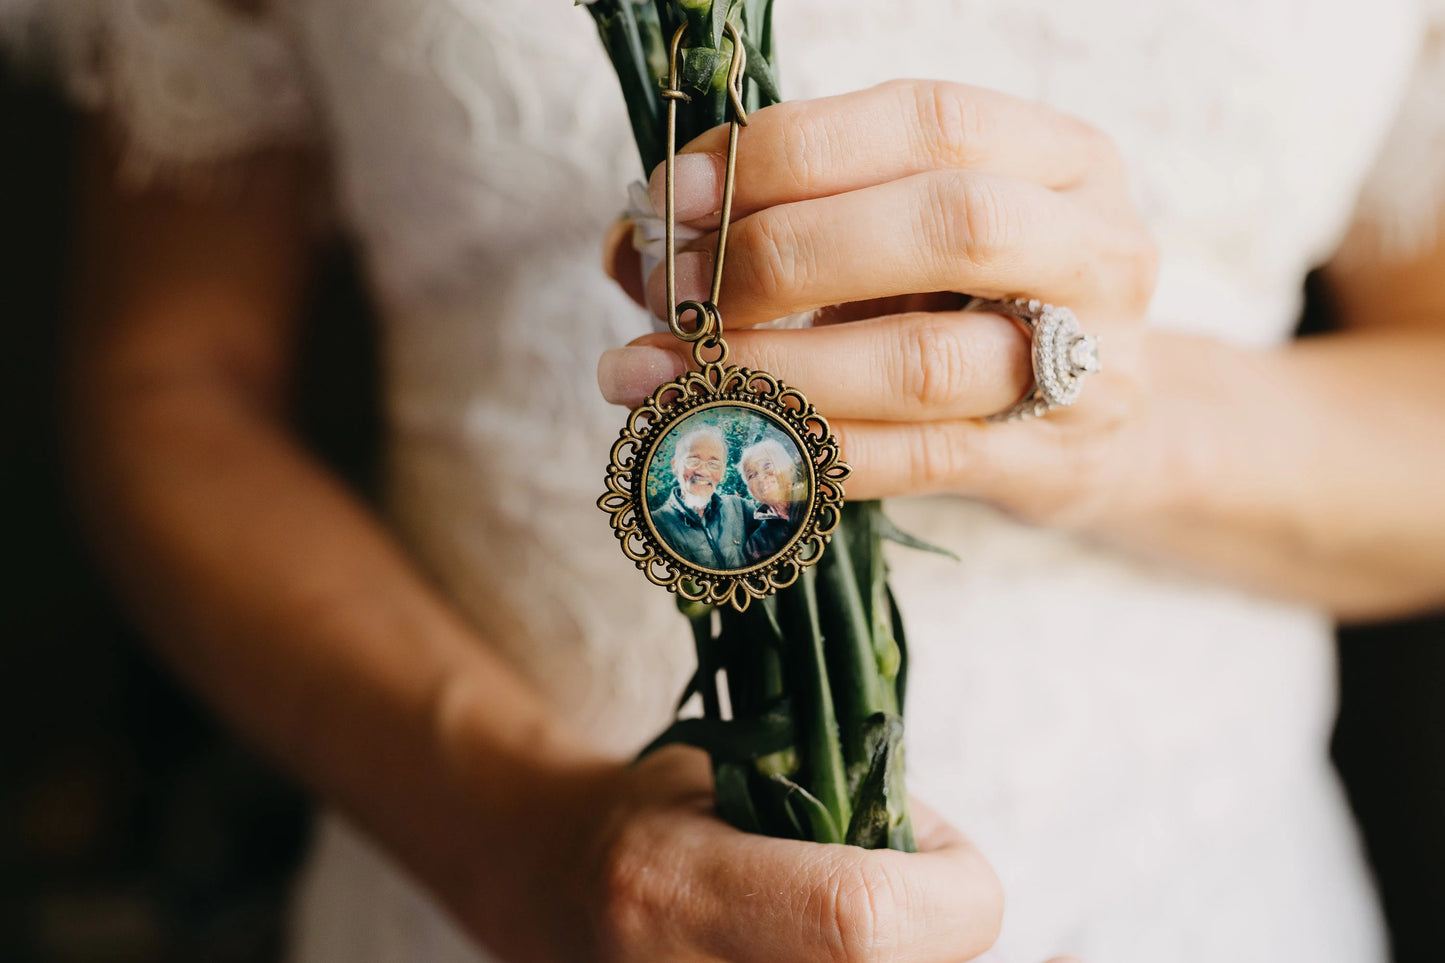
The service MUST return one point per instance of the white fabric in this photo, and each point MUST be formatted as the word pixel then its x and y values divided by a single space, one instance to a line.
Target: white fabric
pixel 1141 754
pixel 193 82
pixel 649 229
pixel 1405 192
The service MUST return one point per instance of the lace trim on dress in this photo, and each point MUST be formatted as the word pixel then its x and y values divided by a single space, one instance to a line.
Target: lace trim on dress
pixel 1403 199
pixel 190 83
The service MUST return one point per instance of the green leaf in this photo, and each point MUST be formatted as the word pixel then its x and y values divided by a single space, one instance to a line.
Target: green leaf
pixel 693 687
pixel 852 661
pixel 719 17
pixel 733 798
pixel 887 529
pixel 803 807
pixel 666 17
pixel 731 740
pixel 654 44
pixel 783 763
pixel 873 815
pixel 700 66
pixel 623 41
pixel 759 71
pixel 764 26
pixel 817 717
pixel 769 607
pixel 900 639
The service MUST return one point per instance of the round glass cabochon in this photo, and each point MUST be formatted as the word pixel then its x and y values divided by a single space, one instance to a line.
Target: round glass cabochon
pixel 728 488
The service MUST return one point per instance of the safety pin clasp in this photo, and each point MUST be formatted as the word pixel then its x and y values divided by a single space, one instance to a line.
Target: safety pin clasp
pixel 709 320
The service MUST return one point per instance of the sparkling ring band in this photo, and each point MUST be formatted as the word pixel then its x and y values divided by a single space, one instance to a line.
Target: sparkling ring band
pixel 1062 355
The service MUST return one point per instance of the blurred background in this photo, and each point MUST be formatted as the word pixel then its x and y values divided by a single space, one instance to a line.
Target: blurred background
pixel 134 830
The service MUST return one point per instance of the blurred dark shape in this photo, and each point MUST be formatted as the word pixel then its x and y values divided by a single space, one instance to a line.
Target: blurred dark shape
pixel 1389 746
pixel 132 828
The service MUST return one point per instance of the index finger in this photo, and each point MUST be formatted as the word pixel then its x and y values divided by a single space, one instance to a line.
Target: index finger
pixel 803 149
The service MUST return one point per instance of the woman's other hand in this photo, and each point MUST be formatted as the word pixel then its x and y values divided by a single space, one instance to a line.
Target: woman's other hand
pixel 866 206
pixel 648 873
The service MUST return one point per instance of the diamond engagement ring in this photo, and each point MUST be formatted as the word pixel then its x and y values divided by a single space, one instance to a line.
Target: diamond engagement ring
pixel 1062 355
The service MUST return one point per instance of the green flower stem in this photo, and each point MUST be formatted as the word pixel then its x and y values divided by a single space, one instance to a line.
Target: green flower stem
pixel 706 664
pixel 622 36
pixel 825 774
pixel 754 664
pixel 870 568
pixel 861 691
pixel 865 523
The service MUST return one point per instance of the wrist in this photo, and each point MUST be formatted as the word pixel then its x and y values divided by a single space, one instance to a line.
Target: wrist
pixel 1158 446
pixel 1178 468
pixel 524 794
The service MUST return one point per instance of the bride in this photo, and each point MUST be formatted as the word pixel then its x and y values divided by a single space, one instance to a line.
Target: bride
pixel 1121 694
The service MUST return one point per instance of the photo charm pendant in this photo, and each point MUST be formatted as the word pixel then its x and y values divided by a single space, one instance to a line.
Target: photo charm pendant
pixel 724 485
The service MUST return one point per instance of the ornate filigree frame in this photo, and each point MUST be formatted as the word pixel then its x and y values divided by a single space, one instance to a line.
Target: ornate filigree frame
pixel 717 385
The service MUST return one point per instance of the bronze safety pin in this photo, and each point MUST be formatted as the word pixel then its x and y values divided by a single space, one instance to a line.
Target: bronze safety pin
pixel 709 325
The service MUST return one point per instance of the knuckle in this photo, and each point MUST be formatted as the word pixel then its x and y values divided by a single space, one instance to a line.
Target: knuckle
pixel 777 259
pixel 937 370
pixel 806 151
pixel 934 460
pixel 967 219
pixel 858 918
pixel 625 914
pixel 955 124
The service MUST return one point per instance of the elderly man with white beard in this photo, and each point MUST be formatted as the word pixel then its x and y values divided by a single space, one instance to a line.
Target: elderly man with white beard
pixel 702 525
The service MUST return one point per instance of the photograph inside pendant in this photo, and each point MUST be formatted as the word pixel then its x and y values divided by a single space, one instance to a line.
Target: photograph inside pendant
pixel 728 488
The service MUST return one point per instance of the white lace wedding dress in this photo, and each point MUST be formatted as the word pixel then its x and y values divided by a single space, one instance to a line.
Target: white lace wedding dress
pixel 1141 754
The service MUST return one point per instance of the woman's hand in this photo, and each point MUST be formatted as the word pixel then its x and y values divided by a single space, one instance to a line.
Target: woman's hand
pixel 643 871
pixel 867 205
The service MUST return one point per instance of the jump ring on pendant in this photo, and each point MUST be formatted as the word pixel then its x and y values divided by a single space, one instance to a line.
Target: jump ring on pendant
pixel 707 344
pixel 709 323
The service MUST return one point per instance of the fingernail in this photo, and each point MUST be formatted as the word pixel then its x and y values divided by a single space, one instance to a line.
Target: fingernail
pixel 696 189
pixel 628 375
pixel 694 281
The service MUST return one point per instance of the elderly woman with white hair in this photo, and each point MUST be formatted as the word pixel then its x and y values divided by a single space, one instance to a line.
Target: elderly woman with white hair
pixel 771 474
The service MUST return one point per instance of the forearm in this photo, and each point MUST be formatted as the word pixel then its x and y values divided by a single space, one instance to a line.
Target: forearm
pixel 273 593
pixel 266 585
pixel 1313 471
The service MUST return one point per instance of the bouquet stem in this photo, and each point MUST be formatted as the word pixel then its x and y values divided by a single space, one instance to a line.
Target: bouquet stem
pixel 802 693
